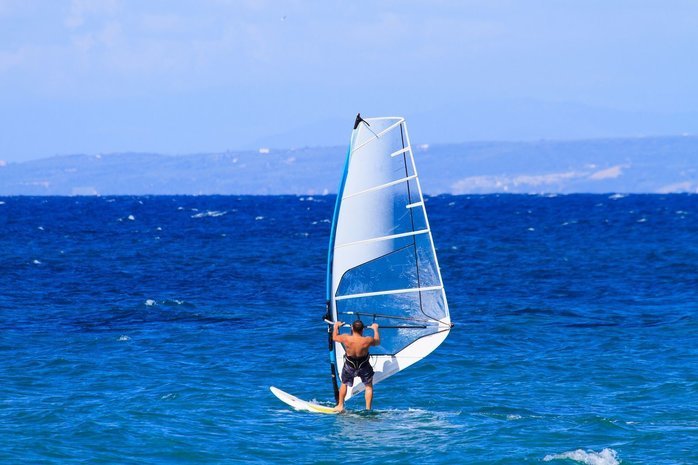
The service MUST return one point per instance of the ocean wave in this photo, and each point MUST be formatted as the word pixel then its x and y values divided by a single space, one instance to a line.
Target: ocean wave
pixel 605 457
pixel 166 302
pixel 209 213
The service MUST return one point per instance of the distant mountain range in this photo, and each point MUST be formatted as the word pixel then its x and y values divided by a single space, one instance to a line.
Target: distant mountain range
pixel 627 165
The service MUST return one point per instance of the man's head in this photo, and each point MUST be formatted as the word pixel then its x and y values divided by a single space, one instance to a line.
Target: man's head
pixel 357 326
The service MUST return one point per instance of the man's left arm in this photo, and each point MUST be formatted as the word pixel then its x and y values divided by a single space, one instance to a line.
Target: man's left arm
pixel 336 337
pixel 376 335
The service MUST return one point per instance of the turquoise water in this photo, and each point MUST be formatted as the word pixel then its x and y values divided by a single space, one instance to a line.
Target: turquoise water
pixel 149 329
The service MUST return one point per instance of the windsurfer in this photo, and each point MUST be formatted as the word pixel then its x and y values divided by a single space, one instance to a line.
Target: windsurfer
pixel 356 359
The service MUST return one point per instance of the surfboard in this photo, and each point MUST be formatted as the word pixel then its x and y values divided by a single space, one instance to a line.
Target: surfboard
pixel 300 404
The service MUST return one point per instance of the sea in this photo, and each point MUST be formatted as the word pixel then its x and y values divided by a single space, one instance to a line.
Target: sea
pixel 149 330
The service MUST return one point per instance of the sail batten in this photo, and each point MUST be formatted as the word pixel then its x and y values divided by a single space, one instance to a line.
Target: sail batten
pixel 400 152
pixel 389 292
pixel 382 186
pixel 382 260
pixel 377 136
pixel 384 238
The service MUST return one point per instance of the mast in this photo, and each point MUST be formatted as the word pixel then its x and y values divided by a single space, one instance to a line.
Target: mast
pixel 330 255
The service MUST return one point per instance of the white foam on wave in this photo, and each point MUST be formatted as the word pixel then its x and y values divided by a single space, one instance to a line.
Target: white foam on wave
pixel 259 218
pixel 124 338
pixel 209 213
pixel 150 302
pixel 2 203
pixel 131 218
pixel 616 196
pixel 605 457
pixel 36 262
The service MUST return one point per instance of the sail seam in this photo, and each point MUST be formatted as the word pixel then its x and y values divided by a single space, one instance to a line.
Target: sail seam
pixel 384 238
pixel 392 291
pixel 403 129
pixel 382 186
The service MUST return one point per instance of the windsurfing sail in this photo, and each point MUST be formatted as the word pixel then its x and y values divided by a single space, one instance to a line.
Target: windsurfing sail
pixel 382 264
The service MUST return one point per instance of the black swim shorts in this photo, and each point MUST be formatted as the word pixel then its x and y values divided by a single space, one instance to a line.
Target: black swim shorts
pixel 354 367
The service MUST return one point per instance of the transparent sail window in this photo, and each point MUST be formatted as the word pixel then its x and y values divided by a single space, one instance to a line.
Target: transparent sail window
pixel 409 265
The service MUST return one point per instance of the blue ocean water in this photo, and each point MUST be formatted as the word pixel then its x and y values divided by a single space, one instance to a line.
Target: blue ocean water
pixel 149 329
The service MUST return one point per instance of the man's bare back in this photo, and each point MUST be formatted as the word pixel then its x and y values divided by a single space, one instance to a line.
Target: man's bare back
pixel 357 346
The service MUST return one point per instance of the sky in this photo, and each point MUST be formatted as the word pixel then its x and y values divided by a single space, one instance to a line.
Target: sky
pixel 80 76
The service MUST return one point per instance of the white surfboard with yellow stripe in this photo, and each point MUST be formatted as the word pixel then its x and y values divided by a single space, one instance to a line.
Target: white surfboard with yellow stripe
pixel 300 404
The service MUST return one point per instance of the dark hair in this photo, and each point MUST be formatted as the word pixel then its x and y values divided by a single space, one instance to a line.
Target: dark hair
pixel 357 326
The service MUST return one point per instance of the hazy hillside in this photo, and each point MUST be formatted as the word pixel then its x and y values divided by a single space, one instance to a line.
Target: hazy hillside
pixel 651 165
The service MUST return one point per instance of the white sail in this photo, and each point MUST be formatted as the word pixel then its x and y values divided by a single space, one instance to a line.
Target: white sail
pixel 382 262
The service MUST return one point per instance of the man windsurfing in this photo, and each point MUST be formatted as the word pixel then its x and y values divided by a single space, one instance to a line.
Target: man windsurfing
pixel 356 359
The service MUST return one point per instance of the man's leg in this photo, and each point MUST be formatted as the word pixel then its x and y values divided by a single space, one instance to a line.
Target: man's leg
pixel 342 395
pixel 369 396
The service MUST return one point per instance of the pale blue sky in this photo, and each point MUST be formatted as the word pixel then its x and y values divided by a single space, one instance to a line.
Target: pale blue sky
pixel 210 75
